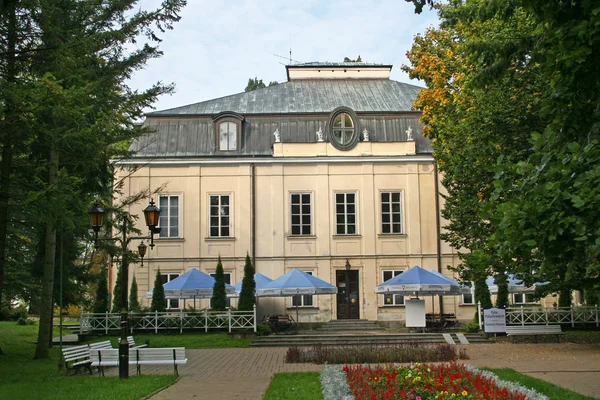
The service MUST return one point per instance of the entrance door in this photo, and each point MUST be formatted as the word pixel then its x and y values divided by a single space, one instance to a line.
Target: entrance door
pixel 347 295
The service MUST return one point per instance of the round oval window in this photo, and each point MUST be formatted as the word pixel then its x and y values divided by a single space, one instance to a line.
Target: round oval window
pixel 343 129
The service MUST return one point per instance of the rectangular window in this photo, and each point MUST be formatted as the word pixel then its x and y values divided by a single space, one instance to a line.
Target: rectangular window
pixel 169 216
pixel 300 214
pixel 228 136
pixel 391 214
pixel 227 279
pixel 468 298
pixel 171 303
pixel 392 299
pixel 523 298
pixel 345 213
pixel 303 300
pixel 219 216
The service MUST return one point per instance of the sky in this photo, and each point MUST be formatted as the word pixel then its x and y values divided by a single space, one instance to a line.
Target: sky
pixel 218 45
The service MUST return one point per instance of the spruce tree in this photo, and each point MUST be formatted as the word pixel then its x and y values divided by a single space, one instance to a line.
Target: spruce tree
pixel 134 303
pixel 247 296
pixel 159 303
pixel 219 298
pixel 564 298
pixel 101 302
pixel 482 292
pixel 117 303
pixel 501 281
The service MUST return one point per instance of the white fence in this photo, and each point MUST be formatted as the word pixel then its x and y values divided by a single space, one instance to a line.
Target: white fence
pixel 179 320
pixel 550 315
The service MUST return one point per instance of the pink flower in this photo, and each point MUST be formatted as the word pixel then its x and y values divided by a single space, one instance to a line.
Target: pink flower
pixel 418 398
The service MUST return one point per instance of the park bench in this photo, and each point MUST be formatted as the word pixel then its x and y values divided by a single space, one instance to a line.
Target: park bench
pixel 534 330
pixel 142 356
pixel 132 344
pixel 279 322
pixel 76 358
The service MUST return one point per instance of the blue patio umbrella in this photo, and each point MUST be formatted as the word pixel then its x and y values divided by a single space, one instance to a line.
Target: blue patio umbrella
pixel 417 281
pixel 296 282
pixel 260 280
pixel 462 288
pixel 191 285
pixel 514 285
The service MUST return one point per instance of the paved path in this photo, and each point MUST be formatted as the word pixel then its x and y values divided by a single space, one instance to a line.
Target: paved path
pixel 245 373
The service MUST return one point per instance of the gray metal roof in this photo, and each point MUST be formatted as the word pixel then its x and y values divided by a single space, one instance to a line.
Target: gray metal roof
pixel 196 137
pixel 310 96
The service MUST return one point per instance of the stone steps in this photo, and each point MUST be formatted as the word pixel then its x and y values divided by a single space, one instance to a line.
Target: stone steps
pixel 355 339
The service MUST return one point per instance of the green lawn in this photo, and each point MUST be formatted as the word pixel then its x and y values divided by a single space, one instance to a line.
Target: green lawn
pixel 25 378
pixel 294 386
pixel 552 391
pixel 198 340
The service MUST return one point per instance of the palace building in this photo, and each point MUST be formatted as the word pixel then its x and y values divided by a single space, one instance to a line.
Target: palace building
pixel 327 172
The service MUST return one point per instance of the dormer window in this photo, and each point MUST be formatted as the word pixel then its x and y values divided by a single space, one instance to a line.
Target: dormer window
pixel 228 129
pixel 343 128
pixel 228 132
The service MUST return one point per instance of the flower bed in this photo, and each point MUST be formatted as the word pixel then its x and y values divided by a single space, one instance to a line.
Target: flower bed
pixel 410 352
pixel 427 382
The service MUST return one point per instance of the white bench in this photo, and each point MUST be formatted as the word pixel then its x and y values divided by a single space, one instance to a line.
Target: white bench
pixel 141 356
pixel 77 357
pixel 534 330
pixel 132 344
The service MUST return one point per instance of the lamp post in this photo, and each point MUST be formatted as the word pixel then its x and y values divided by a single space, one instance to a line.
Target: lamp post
pixel 151 214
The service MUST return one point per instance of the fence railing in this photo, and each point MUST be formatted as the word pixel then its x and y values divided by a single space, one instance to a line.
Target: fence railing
pixel 178 320
pixel 551 315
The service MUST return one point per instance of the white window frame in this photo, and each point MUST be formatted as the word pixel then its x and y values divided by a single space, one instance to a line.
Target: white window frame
pixel 227 299
pixel 165 231
pixel 304 298
pixel 170 276
pixel 514 298
pixel 335 213
pixel 466 303
pixel 394 297
pixel 238 127
pixel 390 212
pixel 311 227
pixel 230 215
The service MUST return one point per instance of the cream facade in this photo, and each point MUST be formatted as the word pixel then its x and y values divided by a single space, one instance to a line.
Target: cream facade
pixel 331 181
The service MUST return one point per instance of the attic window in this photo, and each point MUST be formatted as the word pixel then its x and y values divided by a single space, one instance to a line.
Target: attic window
pixel 228 135
pixel 343 128
pixel 228 131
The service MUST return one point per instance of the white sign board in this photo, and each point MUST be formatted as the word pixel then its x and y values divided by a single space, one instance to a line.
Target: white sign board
pixel 415 313
pixel 494 320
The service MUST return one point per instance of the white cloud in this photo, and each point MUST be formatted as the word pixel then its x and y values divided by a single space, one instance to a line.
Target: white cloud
pixel 218 45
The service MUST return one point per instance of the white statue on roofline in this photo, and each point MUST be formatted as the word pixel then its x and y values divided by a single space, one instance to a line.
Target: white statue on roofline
pixel 409 134
pixel 320 135
pixel 277 136
pixel 365 135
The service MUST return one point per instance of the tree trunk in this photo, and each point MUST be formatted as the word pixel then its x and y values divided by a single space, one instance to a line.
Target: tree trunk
pixel 8 10
pixel 42 349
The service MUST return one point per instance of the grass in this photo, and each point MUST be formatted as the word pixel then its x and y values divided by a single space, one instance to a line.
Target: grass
pixel 25 378
pixel 552 391
pixel 294 386
pixel 199 340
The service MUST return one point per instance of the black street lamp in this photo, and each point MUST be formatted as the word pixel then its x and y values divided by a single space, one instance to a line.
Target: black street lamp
pixel 142 251
pixel 152 215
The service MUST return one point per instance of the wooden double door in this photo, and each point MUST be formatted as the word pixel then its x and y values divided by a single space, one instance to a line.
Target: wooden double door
pixel 348 302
